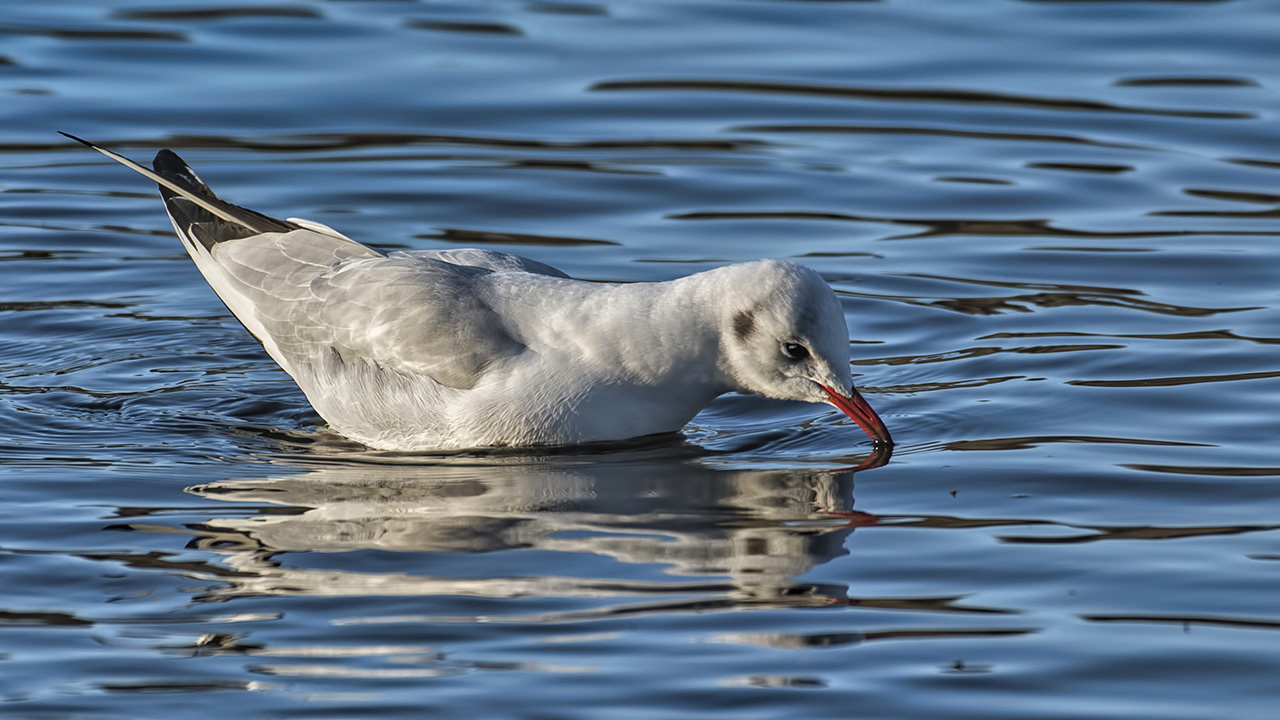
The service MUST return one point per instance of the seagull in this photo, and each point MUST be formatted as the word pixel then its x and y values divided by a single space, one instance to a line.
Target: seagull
pixel 463 348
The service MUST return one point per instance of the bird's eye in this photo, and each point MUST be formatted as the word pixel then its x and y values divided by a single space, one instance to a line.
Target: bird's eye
pixel 795 351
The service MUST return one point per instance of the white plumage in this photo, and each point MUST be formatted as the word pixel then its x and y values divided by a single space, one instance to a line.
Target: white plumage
pixel 470 348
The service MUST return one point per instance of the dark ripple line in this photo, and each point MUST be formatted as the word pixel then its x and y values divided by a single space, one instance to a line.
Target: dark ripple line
pixel 1186 82
pixel 175 686
pixel 1087 249
pixel 1175 381
pixel 71 228
pixel 92 33
pixel 1033 441
pixel 75 193
pixel 216 13
pixel 580 165
pixel 1096 533
pixel 561 8
pixel 943 132
pixel 914 388
pixel 60 305
pixel 16 255
pixel 47 618
pixel 1188 620
pixel 1137 532
pixel 1194 335
pixel 466 28
pixel 1253 162
pixel 1199 2
pixel 943 227
pixel 983 351
pixel 1054 295
pixel 1236 195
pixel 997 305
pixel 1256 198
pixel 969 97
pixel 1018 285
pixel 1232 214
pixel 934 634
pixel 1209 470
pixel 1099 168
pixel 796 641
pixel 1020 303
pixel 796 596
pixel 972 179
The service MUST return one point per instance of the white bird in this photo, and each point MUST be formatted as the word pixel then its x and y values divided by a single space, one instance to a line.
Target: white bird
pixel 454 349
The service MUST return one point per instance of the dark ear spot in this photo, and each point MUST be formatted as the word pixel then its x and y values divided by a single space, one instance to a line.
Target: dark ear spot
pixel 744 323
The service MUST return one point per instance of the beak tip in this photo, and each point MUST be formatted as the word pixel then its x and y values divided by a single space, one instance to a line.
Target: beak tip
pixel 861 412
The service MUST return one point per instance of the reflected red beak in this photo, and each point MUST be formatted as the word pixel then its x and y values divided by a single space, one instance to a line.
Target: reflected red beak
pixel 860 412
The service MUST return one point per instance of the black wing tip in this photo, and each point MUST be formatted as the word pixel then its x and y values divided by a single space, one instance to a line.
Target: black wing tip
pixel 168 161
pixel 201 200
pixel 170 165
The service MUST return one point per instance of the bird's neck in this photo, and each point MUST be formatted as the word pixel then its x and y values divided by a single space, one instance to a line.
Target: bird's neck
pixel 661 334
pixel 671 330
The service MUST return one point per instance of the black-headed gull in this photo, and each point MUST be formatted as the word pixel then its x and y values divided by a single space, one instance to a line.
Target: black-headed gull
pixel 453 349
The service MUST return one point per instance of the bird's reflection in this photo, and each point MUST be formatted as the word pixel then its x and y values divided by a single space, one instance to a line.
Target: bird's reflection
pixel 673 526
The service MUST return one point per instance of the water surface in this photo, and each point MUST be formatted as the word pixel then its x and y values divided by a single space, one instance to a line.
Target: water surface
pixel 1053 226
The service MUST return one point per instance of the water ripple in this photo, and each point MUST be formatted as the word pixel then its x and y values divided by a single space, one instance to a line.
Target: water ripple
pixel 930 95
pixel 219 13
pixel 937 131
pixel 64 33
pixel 1047 239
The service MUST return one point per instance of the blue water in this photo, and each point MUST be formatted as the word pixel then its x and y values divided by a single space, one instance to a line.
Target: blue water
pixel 1053 226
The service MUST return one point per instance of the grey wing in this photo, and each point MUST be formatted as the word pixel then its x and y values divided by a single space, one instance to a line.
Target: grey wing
pixel 311 295
pixel 414 316
pixel 485 259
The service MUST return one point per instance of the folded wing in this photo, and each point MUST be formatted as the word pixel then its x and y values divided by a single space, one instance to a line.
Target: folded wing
pixel 329 309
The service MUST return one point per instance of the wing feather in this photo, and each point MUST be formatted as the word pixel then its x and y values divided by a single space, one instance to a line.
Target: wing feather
pixel 487 259
pixel 335 314
pixel 415 316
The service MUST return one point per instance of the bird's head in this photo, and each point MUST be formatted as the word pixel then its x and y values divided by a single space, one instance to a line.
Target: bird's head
pixel 784 336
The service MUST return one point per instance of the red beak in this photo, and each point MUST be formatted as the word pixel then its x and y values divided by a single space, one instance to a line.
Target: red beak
pixel 860 412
